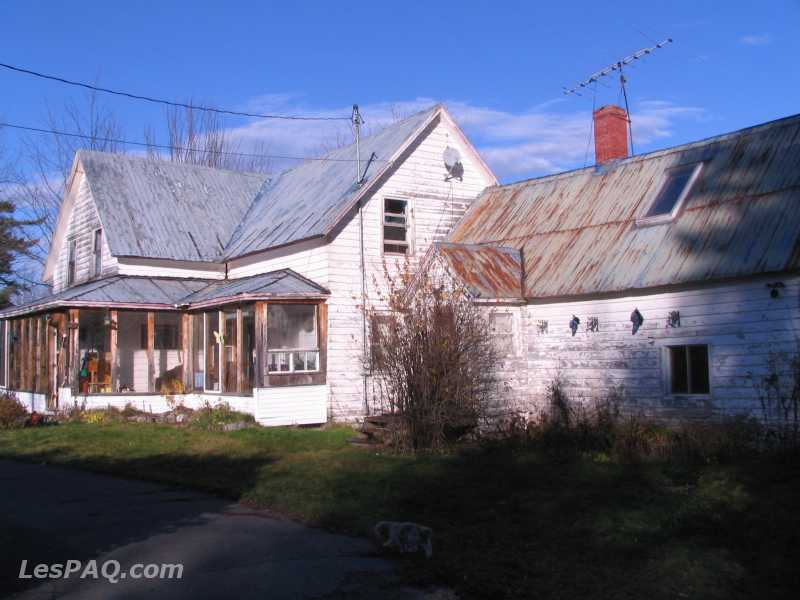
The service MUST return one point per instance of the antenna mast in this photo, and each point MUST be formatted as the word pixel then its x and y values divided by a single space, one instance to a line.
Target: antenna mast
pixel 357 121
pixel 618 66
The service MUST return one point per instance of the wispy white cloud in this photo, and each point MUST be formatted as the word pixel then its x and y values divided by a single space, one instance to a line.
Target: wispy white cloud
pixel 543 139
pixel 753 39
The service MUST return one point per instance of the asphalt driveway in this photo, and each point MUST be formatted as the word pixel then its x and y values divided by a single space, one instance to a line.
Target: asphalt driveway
pixel 52 515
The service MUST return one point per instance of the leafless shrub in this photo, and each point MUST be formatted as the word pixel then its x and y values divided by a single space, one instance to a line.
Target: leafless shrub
pixel 435 358
pixel 779 392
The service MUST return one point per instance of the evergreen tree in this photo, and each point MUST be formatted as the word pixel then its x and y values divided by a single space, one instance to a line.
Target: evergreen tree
pixel 12 245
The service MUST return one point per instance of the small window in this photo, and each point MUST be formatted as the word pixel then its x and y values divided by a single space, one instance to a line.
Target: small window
pixel 673 192
pixel 97 252
pixel 380 333
pixel 501 326
pixel 72 248
pixel 292 340
pixel 395 226
pixel 688 367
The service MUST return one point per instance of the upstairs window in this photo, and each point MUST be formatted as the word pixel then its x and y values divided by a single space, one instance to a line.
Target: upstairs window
pixel 688 367
pixel 72 247
pixel 676 187
pixel 97 252
pixel 395 226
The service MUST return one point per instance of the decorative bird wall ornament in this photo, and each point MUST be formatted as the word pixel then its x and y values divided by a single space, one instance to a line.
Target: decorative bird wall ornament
pixel 573 325
pixel 636 319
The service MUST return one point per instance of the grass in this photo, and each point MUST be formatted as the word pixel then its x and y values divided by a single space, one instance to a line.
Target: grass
pixel 508 523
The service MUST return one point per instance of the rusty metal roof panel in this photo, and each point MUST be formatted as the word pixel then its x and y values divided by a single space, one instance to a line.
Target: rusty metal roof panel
pixel 158 209
pixel 488 272
pixel 578 231
pixel 308 200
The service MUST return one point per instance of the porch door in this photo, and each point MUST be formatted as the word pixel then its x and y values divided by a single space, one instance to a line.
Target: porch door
pixel 212 351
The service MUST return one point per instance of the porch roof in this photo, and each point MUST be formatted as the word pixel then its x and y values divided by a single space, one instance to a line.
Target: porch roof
pixel 170 293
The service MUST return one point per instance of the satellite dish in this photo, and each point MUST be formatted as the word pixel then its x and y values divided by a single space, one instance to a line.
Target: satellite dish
pixel 452 162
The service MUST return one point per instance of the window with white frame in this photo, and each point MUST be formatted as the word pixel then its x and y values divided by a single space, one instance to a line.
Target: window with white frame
pixel 688 369
pixel 672 194
pixel 395 226
pixel 292 340
pixel 72 266
pixel 97 252
pixel 501 326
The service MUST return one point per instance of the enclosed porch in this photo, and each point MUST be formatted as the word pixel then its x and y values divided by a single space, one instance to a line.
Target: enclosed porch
pixel 257 343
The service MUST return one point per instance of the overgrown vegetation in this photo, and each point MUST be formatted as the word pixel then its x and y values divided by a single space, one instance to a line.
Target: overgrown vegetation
pixel 602 430
pixel 216 417
pixel 12 411
pixel 434 355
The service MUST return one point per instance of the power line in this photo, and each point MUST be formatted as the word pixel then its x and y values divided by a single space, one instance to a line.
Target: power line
pixel 220 111
pixel 179 148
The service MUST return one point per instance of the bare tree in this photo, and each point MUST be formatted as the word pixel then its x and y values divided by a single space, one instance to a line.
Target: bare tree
pixel 39 185
pixel 199 137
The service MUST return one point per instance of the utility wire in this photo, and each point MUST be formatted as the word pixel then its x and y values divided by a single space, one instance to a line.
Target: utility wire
pixel 180 148
pixel 220 111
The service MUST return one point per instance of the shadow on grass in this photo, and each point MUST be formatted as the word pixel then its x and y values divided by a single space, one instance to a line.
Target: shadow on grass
pixel 510 523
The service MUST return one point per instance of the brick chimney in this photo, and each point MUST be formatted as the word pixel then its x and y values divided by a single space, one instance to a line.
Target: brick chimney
pixel 610 133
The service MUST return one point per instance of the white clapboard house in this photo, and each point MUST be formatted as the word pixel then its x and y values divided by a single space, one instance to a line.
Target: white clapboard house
pixel 177 283
pixel 669 281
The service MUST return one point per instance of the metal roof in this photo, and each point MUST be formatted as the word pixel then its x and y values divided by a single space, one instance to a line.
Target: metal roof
pixel 157 209
pixel 489 272
pixel 578 231
pixel 283 284
pixel 125 291
pixel 310 199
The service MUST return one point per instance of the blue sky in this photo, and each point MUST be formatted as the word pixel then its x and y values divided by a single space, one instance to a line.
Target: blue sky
pixel 499 66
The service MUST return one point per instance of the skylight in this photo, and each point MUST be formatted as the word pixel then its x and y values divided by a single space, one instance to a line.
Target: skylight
pixel 673 191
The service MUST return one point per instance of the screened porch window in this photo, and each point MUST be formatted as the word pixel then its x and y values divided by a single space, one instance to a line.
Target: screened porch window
pixel 198 352
pixel 395 226
pixel 94 351
pixel 3 353
pixel 292 338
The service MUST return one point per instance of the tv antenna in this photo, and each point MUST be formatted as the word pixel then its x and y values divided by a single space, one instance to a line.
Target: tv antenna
pixel 617 67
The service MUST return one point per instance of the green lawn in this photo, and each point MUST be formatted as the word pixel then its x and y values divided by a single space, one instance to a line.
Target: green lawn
pixel 507 523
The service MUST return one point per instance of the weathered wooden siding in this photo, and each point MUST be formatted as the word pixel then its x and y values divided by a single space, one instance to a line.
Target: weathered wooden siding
pixel 434 205
pixel 740 322
pixel 296 405
pixel 82 222
pixel 309 258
